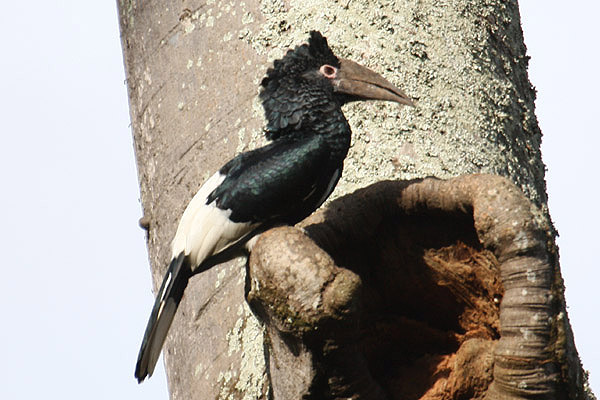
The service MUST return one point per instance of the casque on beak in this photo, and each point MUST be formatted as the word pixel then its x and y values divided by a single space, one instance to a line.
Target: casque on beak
pixel 357 81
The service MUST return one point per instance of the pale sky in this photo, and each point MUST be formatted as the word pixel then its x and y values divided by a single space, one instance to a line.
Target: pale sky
pixel 76 292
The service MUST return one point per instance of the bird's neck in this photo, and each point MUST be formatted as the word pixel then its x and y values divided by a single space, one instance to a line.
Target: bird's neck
pixel 310 111
pixel 335 128
pixel 326 120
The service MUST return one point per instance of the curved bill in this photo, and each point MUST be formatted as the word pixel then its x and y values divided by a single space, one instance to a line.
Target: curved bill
pixel 361 83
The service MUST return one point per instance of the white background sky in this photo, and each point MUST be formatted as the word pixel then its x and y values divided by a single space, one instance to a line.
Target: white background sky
pixel 76 284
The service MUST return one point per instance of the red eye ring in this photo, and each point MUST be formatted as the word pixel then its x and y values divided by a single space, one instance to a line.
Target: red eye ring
pixel 328 71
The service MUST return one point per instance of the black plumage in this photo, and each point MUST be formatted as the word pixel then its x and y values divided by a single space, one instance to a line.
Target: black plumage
pixel 280 183
pixel 294 95
pixel 283 181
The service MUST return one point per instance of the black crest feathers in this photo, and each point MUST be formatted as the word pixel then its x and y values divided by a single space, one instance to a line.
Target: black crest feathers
pixel 302 59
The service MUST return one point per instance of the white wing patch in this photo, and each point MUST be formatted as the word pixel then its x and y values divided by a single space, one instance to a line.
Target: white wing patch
pixel 205 229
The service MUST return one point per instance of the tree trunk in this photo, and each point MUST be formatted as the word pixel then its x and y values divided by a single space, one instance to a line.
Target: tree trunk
pixel 477 327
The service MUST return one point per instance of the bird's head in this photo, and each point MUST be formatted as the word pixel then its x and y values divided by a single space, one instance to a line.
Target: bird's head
pixel 311 79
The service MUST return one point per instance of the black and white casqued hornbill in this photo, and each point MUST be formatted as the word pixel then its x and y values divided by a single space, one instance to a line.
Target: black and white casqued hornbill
pixel 280 183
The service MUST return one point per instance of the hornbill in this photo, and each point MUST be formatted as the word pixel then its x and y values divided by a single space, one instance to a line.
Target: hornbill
pixel 280 183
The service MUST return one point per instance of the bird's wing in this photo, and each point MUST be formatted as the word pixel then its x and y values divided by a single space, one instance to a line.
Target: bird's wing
pixel 284 181
pixel 205 229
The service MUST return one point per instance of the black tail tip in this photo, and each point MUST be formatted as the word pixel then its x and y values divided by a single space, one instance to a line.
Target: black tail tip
pixel 139 375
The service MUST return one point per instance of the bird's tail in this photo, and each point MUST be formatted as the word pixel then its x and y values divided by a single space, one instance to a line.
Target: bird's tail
pixel 167 300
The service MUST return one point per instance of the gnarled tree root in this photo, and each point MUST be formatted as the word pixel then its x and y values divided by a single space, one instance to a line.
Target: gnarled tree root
pixel 426 289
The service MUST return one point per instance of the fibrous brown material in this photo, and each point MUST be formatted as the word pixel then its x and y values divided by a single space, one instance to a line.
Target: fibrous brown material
pixel 426 289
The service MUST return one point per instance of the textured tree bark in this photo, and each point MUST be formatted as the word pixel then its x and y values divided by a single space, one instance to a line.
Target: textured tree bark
pixel 468 312
pixel 456 282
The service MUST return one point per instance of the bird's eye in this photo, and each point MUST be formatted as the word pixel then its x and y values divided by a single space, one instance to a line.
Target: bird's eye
pixel 328 71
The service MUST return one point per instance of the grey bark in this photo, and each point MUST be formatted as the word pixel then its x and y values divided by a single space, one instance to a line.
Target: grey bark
pixel 193 70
